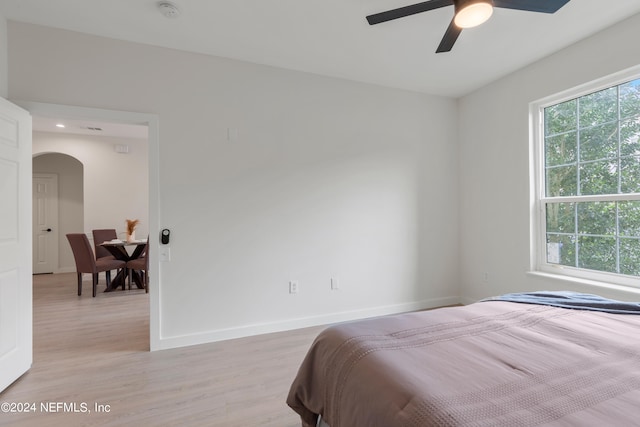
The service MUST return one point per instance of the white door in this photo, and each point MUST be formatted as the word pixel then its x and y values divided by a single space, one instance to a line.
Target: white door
pixel 15 243
pixel 45 223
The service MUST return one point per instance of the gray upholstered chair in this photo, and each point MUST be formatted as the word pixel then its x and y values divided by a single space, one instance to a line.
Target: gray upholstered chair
pixel 100 236
pixel 87 263
pixel 140 264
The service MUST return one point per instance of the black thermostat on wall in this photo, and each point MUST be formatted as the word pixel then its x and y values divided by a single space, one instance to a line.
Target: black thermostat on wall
pixel 164 236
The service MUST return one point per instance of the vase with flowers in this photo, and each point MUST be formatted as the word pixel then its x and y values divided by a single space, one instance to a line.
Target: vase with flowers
pixel 131 229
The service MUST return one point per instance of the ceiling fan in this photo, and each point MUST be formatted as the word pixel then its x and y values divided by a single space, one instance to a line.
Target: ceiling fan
pixel 468 13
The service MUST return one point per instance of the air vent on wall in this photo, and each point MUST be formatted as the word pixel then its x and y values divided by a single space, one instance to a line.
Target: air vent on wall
pixel 121 148
pixel 91 128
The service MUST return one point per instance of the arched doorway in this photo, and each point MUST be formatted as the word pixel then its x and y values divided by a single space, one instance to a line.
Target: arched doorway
pixel 58 209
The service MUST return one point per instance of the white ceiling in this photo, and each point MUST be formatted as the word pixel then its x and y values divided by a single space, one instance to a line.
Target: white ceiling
pixel 87 127
pixel 332 37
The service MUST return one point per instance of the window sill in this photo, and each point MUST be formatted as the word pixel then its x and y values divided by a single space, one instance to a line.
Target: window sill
pixel 585 282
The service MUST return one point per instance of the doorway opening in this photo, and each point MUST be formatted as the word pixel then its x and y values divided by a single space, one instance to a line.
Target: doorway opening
pixel 52 219
pixel 98 206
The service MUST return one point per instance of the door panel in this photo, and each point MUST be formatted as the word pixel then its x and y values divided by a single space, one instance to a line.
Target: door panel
pixel 45 223
pixel 15 243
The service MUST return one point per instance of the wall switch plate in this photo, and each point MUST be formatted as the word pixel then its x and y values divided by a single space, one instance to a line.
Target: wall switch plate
pixel 293 287
pixel 335 283
pixel 164 254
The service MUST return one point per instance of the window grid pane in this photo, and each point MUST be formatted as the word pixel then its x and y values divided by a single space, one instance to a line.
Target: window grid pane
pixel 592 148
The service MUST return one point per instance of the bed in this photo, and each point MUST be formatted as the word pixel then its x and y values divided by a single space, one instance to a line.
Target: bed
pixel 552 358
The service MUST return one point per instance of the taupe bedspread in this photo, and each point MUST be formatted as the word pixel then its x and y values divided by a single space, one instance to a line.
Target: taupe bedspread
pixel 486 364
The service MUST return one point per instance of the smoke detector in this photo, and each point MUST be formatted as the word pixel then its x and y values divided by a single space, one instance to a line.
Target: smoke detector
pixel 168 9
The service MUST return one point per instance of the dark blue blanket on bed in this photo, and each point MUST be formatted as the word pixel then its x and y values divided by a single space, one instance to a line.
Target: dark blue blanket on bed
pixel 567 299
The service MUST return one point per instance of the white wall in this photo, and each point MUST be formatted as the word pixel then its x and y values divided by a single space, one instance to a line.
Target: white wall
pixel 327 178
pixel 116 186
pixel 4 80
pixel 494 161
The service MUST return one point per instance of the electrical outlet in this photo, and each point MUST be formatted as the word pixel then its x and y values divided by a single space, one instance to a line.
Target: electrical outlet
pixel 293 287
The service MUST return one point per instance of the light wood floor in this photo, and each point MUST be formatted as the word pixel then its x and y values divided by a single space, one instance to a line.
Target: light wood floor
pixel 95 351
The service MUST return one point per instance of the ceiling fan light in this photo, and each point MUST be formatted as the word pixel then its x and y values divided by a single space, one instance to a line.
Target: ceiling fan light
pixel 473 14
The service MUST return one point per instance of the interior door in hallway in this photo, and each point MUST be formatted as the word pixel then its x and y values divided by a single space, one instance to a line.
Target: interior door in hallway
pixel 16 340
pixel 45 223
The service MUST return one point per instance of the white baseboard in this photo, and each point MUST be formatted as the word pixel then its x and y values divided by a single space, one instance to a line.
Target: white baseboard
pixel 298 323
pixel 467 301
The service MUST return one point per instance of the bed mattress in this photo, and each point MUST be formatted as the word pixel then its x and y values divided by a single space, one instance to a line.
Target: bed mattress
pixel 492 363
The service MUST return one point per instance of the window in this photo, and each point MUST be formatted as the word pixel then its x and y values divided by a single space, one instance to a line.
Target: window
pixel 587 193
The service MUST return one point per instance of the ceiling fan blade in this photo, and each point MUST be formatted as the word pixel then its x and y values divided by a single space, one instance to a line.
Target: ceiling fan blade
pixel 544 6
pixel 407 10
pixel 450 37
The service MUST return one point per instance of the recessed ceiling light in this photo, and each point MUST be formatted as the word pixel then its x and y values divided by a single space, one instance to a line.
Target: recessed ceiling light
pixel 60 125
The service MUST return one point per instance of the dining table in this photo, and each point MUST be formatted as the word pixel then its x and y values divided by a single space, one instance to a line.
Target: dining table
pixel 118 248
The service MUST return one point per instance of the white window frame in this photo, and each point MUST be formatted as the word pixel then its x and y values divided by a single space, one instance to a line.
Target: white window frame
pixel 538 250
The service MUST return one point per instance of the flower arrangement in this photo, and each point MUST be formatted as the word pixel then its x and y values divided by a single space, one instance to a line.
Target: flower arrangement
pixel 131 229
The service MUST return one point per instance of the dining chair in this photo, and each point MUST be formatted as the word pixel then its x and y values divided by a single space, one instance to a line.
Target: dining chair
pixel 100 236
pixel 87 263
pixel 140 264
